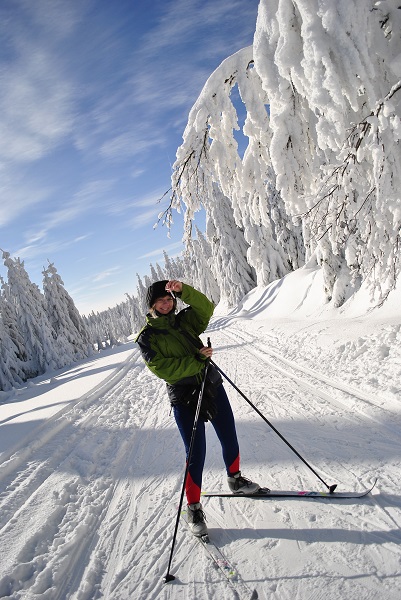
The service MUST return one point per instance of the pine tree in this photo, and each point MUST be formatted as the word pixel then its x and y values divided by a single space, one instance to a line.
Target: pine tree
pixel 209 172
pixel 153 274
pixel 141 295
pixel 206 281
pixel 335 146
pixel 322 170
pixel 33 324
pixel 160 273
pixel 11 371
pixel 68 326
pixel 170 268
pixel 8 311
pixel 229 250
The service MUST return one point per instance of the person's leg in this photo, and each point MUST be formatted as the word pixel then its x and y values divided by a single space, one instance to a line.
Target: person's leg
pixel 184 418
pixel 224 425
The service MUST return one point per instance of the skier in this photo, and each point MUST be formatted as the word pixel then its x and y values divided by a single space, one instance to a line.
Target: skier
pixel 172 350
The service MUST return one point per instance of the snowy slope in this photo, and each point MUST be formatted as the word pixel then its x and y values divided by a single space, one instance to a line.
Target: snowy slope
pixel 92 463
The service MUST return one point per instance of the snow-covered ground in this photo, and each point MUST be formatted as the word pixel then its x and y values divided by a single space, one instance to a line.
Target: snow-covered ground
pixel 91 463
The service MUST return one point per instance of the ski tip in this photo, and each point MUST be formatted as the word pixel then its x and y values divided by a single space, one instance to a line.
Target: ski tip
pixel 168 578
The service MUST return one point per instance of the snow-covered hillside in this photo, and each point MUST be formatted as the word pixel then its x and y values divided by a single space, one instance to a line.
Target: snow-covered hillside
pixel 91 463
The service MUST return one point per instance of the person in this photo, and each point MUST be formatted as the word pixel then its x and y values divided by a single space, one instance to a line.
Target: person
pixel 172 350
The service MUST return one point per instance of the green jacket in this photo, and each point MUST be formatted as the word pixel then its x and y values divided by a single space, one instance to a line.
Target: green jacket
pixel 166 350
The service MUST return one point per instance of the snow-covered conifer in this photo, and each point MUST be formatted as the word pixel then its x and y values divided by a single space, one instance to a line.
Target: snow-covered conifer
pixel 70 330
pixel 160 273
pixel 141 295
pixel 206 281
pixel 11 371
pixel 322 170
pixel 153 274
pixel 332 74
pixel 229 250
pixel 33 323
pixel 209 169
pixel 9 315
pixel 171 269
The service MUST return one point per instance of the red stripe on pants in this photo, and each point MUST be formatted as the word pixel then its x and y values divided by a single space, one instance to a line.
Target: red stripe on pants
pixel 193 491
pixel 234 467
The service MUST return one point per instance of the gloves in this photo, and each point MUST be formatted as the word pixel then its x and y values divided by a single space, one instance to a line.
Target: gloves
pixel 189 394
pixel 208 409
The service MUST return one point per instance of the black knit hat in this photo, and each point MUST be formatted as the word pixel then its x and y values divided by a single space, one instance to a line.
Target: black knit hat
pixel 155 291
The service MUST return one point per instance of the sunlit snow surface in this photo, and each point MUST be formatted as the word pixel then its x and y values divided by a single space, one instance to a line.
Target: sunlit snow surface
pixel 92 463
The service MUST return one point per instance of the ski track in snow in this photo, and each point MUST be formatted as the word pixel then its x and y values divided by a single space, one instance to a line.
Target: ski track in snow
pixel 87 507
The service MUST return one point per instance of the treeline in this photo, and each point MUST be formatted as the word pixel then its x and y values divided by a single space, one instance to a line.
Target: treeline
pixel 38 331
pixel 42 331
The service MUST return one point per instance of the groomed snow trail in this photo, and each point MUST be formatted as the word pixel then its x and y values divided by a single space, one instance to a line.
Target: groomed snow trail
pixel 87 509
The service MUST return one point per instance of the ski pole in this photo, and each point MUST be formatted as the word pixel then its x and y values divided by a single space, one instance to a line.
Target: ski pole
pixel 169 577
pixel 331 488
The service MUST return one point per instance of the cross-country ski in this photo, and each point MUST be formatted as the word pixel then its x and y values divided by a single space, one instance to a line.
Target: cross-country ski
pixel 271 494
pixel 229 571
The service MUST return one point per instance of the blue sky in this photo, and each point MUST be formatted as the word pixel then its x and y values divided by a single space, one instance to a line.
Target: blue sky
pixel 94 99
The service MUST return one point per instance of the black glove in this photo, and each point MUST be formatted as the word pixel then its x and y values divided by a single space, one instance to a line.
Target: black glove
pixel 209 405
pixel 208 409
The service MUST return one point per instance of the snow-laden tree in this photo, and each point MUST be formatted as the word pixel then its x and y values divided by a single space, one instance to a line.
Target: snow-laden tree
pixel 8 311
pixel 321 171
pixel 171 269
pixel 153 273
pixel 209 160
pixel 113 326
pixel 33 324
pixel 160 273
pixel 184 266
pixel 7 359
pixel 142 288
pixel 199 253
pixel 101 330
pixel 208 283
pixel 120 318
pixel 136 317
pixel 331 71
pixel 11 365
pixel 69 329
pixel 229 251
pixel 94 324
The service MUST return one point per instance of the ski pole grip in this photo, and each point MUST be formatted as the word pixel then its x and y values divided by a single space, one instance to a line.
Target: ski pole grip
pixel 209 343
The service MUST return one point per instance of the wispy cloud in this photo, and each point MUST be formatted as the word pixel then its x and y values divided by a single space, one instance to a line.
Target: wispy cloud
pixel 145 218
pixel 37 101
pixel 49 248
pixel 129 144
pixel 177 24
pixel 159 251
pixel 42 94
pixel 129 120
pixel 106 274
pixel 36 105
pixel 55 18
pixel 16 200
pixel 83 201
pixel 130 207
